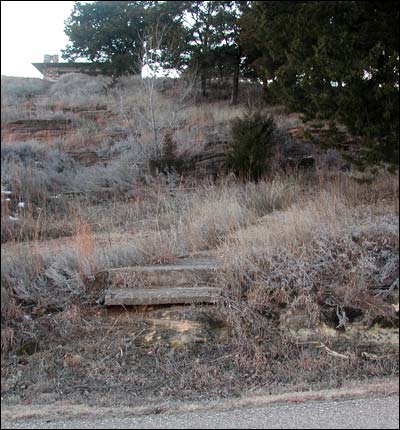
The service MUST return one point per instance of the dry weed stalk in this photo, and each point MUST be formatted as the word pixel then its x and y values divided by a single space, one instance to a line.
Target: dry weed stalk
pixel 85 247
pixel 8 341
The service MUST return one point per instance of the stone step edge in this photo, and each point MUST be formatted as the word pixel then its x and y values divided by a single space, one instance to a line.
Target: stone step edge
pixel 161 296
pixel 160 268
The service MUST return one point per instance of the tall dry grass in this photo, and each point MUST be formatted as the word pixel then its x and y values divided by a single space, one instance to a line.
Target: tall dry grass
pixel 331 257
pixel 154 229
pixel 293 248
pixel 85 249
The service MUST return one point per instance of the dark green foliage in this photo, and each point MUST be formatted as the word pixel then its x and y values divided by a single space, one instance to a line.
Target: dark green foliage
pixel 336 61
pixel 266 31
pixel 113 33
pixel 169 162
pixel 199 37
pixel 252 143
pixel 213 36
pixel 169 147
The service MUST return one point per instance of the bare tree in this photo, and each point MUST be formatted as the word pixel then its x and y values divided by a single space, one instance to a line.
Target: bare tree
pixel 148 117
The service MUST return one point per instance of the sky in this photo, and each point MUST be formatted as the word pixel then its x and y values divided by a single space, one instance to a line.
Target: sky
pixel 30 29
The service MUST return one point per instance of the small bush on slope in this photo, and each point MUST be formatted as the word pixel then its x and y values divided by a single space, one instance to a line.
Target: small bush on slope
pixel 251 145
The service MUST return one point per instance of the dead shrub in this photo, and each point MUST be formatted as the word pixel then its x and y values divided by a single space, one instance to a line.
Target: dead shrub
pixel 322 259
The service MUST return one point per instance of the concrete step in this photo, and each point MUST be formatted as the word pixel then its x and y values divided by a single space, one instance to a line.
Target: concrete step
pixel 168 275
pixel 161 296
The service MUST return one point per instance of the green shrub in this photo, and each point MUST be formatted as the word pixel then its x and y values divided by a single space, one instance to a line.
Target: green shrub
pixel 168 162
pixel 251 146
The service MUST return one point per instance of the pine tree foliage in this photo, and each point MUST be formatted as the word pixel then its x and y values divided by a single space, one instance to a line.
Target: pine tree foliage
pixel 333 60
pixel 252 144
pixel 113 33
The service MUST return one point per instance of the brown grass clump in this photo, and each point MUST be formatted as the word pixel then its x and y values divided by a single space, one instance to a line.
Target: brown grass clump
pixel 85 249
pixel 331 257
pixel 208 223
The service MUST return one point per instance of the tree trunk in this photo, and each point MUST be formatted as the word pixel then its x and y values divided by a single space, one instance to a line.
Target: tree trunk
pixel 235 85
pixel 203 85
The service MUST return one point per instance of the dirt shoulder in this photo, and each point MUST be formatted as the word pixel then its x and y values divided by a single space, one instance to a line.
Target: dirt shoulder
pixel 355 390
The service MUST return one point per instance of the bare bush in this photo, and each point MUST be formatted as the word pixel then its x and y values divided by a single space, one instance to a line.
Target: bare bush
pixel 34 172
pixel 148 114
pixel 13 89
pixel 78 84
pixel 323 248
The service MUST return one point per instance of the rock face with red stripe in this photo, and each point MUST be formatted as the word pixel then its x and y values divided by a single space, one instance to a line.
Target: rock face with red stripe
pixel 36 129
pixel 66 126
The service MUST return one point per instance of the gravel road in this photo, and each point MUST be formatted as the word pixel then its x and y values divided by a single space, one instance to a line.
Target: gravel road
pixel 373 413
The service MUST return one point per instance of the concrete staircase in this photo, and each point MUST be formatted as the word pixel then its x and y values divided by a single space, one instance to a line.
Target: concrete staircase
pixel 187 281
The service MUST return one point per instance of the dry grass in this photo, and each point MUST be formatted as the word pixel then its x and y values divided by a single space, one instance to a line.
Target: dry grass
pixel 24 98
pixel 85 249
pixel 156 229
pixel 330 257
pixel 284 243
pixel 273 233
pixel 319 247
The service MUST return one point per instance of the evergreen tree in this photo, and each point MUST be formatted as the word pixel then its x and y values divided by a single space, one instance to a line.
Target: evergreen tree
pixel 333 60
pixel 213 39
pixel 197 36
pixel 113 33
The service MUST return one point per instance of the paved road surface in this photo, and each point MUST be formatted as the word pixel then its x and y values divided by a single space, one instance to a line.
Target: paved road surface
pixel 380 413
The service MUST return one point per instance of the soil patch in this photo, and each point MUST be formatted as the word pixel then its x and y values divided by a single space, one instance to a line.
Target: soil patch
pixel 124 357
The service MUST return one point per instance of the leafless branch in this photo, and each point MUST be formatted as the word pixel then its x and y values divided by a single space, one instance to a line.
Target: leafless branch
pixel 153 120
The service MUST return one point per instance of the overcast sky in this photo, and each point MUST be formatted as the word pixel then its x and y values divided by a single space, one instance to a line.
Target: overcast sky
pixel 30 29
